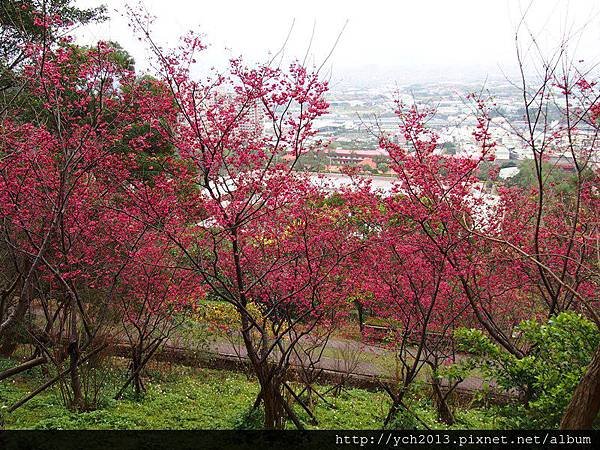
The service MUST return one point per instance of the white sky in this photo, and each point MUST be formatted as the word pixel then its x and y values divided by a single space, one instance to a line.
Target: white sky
pixel 412 34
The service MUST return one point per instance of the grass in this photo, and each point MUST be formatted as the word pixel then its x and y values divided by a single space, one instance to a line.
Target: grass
pixel 181 398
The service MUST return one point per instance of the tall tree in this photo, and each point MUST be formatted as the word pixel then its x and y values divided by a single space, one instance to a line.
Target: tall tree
pixel 263 235
pixel 61 200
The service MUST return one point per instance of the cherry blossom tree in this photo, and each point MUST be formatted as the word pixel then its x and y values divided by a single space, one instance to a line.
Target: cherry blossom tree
pixel 517 252
pixel 62 170
pixel 155 295
pixel 255 232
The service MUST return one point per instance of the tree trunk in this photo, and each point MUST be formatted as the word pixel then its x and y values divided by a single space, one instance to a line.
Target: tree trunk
pixel 74 356
pixel 443 409
pixel 30 364
pixel 136 367
pixel 361 318
pixel 392 413
pixel 585 404
pixel 396 405
pixel 273 404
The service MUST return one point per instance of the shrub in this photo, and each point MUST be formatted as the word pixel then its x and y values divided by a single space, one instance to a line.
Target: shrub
pixel 546 377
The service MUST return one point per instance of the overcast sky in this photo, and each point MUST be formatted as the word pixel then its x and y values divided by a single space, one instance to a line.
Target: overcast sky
pixel 454 34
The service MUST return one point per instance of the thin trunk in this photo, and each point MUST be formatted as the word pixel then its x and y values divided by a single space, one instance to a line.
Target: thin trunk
pixel 396 405
pixel 27 365
pixel 392 413
pixel 269 383
pixel 361 318
pixel 74 356
pixel 440 397
pixel 143 361
pixel 52 382
pixel 136 368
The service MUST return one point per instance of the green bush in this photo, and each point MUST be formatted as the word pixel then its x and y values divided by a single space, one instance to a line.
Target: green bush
pixel 546 377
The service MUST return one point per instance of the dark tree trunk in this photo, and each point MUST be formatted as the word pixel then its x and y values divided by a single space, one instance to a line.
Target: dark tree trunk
pixel 136 368
pixel 273 404
pixel 74 357
pixel 585 404
pixel 396 405
pixel 271 384
pixel 138 362
pixel 392 414
pixel 361 316
pixel 440 397
pixel 27 365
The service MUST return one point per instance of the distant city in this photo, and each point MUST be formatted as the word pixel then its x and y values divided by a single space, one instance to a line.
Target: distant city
pixel 359 112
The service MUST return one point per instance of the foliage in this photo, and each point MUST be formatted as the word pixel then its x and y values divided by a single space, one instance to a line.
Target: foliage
pixel 554 176
pixel 128 201
pixel 219 315
pixel 184 399
pixel 24 22
pixel 546 377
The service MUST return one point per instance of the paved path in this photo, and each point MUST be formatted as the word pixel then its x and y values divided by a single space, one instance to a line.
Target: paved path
pixel 343 356
pixel 346 356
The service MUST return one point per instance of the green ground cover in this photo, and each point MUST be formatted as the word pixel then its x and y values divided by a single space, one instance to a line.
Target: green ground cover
pixel 195 398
